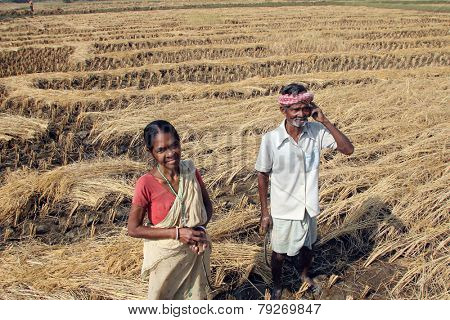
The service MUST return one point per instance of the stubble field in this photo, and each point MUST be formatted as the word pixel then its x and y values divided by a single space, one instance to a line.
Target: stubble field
pixel 76 90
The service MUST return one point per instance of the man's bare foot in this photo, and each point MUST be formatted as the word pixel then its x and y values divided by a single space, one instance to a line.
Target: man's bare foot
pixel 312 285
pixel 276 293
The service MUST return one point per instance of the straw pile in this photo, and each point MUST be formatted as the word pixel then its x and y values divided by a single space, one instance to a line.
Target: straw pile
pixel 103 268
pixel 17 127
pixel 27 192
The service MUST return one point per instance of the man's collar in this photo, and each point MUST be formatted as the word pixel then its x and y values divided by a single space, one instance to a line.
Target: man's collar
pixel 283 134
pixel 307 130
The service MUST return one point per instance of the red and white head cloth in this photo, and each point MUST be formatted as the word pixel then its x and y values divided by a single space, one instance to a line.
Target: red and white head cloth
pixel 289 99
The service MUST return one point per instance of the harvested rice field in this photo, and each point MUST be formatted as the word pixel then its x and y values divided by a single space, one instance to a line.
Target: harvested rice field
pixel 79 81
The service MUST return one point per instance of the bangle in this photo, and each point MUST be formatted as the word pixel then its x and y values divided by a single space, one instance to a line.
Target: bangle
pixel 177 233
pixel 201 227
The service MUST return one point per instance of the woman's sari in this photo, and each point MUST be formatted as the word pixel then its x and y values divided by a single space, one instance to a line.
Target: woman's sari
pixel 174 271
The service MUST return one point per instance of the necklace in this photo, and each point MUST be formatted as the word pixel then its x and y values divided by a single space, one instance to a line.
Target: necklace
pixel 178 195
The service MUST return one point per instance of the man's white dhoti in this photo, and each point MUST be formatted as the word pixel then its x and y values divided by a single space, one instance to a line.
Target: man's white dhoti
pixel 289 236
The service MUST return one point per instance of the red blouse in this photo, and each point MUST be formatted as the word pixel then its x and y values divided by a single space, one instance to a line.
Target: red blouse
pixel 156 198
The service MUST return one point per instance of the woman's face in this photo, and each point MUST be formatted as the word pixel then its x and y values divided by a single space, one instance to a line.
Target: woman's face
pixel 166 150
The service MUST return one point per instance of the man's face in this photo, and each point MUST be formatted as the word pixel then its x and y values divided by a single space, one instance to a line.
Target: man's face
pixel 297 114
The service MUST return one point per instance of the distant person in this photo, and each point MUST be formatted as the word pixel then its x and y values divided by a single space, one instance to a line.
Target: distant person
pixel 30 2
pixel 174 198
pixel 289 157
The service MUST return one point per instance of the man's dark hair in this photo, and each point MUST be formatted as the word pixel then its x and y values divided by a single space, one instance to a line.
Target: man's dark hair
pixel 293 88
pixel 155 127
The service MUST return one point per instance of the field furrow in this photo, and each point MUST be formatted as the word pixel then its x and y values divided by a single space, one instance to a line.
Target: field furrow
pixel 223 72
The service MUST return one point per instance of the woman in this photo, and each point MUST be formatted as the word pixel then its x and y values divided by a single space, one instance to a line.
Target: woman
pixel 173 196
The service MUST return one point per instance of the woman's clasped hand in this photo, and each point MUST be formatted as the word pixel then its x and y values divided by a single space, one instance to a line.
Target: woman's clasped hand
pixel 196 239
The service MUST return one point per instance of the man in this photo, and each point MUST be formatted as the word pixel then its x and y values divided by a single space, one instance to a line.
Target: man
pixel 30 3
pixel 289 158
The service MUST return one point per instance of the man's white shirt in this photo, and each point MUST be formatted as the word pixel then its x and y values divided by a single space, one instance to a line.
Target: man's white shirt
pixel 294 169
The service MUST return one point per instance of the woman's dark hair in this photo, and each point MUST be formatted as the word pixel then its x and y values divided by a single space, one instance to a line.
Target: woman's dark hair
pixel 293 88
pixel 155 127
